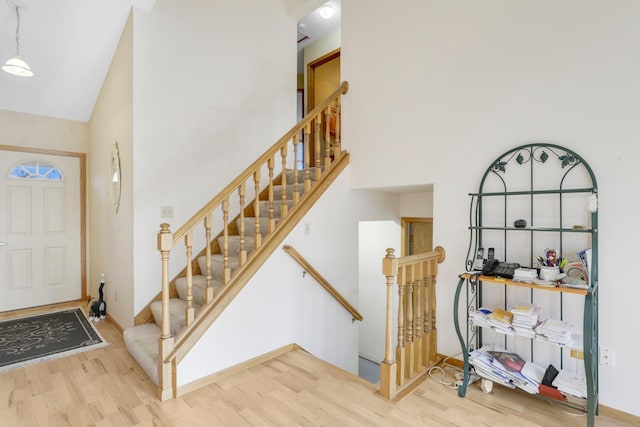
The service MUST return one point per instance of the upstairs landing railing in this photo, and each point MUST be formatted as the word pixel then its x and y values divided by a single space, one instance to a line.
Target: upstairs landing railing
pixel 415 347
pixel 324 122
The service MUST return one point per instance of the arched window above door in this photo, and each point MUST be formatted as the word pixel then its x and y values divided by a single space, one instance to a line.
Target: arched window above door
pixel 36 169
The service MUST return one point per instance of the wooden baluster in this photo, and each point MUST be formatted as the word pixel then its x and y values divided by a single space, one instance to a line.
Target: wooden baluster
pixel 242 190
pixel 327 138
pixel 434 329
pixel 257 237
pixel 317 163
pixel 271 225
pixel 418 325
pixel 410 281
pixel 284 209
pixel 337 138
pixel 189 311
pixel 401 350
pixel 226 272
pixel 208 224
pixel 296 191
pixel 307 158
pixel 166 342
pixel 388 379
pixel 426 354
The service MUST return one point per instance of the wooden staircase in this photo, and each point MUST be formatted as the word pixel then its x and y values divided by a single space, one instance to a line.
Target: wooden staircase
pixel 283 190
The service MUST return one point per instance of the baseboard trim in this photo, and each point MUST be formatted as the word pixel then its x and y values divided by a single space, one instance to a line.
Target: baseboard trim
pixel 194 385
pixel 603 410
pixel 618 415
pixel 115 324
pixel 450 360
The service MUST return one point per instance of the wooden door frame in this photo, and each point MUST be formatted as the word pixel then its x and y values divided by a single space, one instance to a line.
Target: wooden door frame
pixel 311 85
pixel 82 158
pixel 404 244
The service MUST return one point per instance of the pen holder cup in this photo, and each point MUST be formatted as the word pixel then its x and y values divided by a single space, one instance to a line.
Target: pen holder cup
pixel 549 273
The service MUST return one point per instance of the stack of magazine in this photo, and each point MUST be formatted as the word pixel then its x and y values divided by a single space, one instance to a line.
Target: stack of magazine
pixel 508 369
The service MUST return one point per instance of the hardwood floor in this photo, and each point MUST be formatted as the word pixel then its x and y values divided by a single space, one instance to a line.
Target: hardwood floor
pixel 106 387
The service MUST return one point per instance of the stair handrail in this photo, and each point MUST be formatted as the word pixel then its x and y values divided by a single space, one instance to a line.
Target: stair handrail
pixel 246 174
pixel 415 352
pixel 323 282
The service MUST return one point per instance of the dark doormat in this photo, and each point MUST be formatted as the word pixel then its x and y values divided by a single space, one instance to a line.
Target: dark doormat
pixel 44 337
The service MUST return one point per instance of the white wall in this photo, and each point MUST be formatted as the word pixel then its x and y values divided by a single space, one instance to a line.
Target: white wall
pixel 279 306
pixel 28 130
pixel 452 84
pixel 111 233
pixel 416 204
pixel 214 87
pixel 374 239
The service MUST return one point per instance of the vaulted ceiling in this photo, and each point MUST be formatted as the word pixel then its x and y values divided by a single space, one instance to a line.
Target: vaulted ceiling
pixel 69 45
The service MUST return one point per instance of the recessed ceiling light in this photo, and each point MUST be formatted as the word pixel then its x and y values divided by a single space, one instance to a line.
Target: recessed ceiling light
pixel 326 11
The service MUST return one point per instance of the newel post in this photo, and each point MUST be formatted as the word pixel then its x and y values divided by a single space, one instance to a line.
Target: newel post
pixel 388 366
pixel 166 342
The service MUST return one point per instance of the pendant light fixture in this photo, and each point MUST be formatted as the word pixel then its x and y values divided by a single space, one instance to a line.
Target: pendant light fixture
pixel 16 65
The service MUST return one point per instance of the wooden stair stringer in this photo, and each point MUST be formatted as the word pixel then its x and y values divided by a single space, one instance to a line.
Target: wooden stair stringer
pixel 188 337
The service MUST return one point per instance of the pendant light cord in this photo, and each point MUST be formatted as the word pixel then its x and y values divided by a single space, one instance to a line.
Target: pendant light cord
pixel 18 31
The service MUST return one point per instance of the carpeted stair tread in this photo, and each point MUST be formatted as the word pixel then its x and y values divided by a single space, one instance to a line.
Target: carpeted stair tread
pixel 277 208
pixel 198 285
pixel 250 225
pixel 277 191
pixel 177 309
pixel 217 265
pixel 142 343
pixel 312 175
pixel 234 243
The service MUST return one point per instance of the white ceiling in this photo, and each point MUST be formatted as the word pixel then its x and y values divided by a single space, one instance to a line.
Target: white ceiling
pixel 314 26
pixel 69 45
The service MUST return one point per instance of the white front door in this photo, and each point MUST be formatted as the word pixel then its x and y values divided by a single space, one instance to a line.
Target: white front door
pixel 40 231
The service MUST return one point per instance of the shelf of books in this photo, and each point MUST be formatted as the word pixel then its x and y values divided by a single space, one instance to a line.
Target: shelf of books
pixel 530 322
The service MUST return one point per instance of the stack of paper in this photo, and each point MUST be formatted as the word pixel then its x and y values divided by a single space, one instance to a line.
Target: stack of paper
pixel 573 384
pixel 525 319
pixel 480 317
pixel 508 369
pixel 524 274
pixel 500 321
pixel 483 365
pixel 556 331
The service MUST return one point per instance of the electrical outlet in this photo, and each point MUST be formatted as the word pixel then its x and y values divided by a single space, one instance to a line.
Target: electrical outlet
pixel 608 357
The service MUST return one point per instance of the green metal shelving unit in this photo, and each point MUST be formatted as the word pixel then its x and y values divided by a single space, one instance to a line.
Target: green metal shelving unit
pixel 555 178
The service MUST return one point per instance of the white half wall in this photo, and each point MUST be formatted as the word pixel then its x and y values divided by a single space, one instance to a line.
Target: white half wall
pixel 438 89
